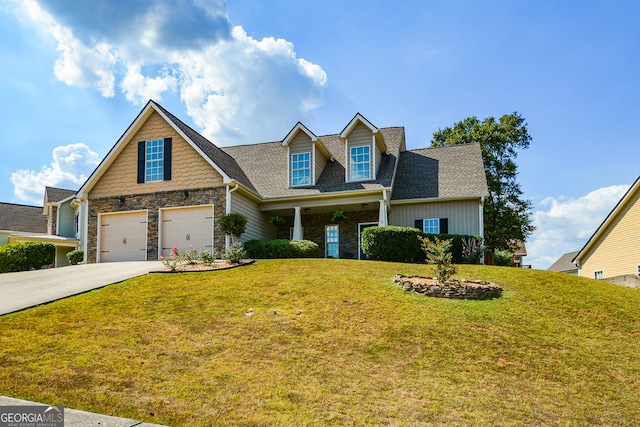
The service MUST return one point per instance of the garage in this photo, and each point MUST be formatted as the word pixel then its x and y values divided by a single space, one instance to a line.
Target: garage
pixel 186 227
pixel 122 236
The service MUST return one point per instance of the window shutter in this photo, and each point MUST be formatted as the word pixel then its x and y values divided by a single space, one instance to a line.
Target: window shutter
pixel 141 146
pixel 167 159
pixel 444 225
pixel 419 224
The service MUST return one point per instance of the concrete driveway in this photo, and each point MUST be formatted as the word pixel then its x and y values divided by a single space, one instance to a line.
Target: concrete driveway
pixel 30 288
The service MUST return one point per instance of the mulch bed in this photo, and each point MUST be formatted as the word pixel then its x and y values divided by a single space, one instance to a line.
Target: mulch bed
pixel 217 265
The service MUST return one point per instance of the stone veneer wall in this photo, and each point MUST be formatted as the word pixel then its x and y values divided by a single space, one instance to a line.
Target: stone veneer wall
pixel 314 230
pixel 153 202
pixel 52 217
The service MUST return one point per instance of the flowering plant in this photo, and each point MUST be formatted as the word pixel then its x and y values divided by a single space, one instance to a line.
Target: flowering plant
pixel 472 250
pixel 192 256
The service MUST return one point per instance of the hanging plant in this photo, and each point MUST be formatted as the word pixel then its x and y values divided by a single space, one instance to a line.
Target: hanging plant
pixel 337 215
pixel 276 220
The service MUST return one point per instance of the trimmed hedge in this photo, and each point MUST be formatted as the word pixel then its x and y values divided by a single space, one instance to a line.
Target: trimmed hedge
pixel 75 257
pixel 401 244
pixel 281 248
pixel 26 256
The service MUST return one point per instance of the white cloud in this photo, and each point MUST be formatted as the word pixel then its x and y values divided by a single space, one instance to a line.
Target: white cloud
pixel 70 167
pixel 565 225
pixel 235 88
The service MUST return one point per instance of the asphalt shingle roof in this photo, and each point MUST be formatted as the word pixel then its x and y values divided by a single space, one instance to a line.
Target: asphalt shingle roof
pixel 442 172
pixel 266 167
pixel 564 263
pixel 24 218
pixel 54 194
pixel 227 163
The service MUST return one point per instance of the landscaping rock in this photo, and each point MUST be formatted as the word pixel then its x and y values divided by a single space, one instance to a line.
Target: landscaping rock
pixel 457 289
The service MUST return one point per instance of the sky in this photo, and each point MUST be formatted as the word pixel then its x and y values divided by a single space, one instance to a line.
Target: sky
pixel 75 74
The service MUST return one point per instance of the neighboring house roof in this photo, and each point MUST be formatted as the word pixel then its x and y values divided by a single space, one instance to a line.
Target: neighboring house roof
pixel 54 194
pixel 451 172
pixel 564 264
pixel 608 222
pixel 22 218
pixel 266 166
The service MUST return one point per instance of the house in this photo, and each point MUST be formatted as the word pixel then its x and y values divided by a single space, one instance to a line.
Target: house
pixel 613 251
pixel 55 222
pixel 163 185
pixel 564 264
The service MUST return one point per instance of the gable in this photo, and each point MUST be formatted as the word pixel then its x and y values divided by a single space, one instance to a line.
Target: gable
pixel 615 246
pixel 189 168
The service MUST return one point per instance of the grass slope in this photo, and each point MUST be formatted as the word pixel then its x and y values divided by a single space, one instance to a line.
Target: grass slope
pixel 333 342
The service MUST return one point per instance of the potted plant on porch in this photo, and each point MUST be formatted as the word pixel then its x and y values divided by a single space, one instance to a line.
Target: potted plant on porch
pixel 276 220
pixel 337 215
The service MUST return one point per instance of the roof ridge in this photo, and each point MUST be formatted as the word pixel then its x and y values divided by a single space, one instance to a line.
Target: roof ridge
pixel 20 204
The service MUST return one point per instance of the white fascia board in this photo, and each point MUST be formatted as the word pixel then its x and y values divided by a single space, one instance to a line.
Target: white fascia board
pixel 356 196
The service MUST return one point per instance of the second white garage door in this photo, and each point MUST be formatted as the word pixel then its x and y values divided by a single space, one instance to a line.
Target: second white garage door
pixel 186 228
pixel 123 236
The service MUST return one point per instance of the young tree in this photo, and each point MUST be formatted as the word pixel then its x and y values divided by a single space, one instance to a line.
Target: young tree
pixel 233 224
pixel 507 216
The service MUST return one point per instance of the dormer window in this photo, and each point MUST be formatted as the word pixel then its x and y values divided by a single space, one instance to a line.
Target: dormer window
pixel 300 169
pixel 360 163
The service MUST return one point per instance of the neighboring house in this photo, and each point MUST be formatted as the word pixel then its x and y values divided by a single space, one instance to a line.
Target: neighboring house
pixel 564 264
pixel 55 222
pixel 164 185
pixel 16 220
pixel 519 254
pixel 613 252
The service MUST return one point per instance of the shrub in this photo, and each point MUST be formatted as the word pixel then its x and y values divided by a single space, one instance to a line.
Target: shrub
pixel 26 256
pixel 235 254
pixel 392 243
pixel 75 257
pixel 281 248
pixel 304 249
pixel 438 253
pixel 503 258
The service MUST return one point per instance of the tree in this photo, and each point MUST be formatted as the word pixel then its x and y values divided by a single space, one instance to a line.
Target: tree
pixel 507 216
pixel 233 224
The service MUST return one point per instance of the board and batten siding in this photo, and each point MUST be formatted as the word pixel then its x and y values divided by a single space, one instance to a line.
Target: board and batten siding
pixel 300 144
pixel 258 225
pixel 617 251
pixel 189 169
pixel 361 135
pixel 464 216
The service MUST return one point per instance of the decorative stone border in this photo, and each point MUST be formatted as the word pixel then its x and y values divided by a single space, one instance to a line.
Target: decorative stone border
pixel 464 289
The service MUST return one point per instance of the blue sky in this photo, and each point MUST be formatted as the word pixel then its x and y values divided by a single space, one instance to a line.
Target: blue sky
pixel 76 73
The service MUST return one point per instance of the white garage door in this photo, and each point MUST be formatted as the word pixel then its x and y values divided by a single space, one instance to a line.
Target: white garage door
pixel 123 237
pixel 186 228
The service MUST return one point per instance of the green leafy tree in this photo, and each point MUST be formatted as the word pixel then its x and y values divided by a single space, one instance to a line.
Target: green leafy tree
pixel 507 216
pixel 233 224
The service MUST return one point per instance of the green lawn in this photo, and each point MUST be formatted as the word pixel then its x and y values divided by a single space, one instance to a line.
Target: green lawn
pixel 333 342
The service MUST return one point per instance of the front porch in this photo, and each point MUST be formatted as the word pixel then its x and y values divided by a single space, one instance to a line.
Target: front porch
pixel 341 236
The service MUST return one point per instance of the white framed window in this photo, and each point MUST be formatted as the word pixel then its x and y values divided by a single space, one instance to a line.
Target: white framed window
pixel 332 241
pixel 300 169
pixel 360 163
pixel 154 160
pixel 431 226
pixel 598 274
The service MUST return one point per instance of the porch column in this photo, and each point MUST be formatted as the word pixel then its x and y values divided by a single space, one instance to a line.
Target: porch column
pixel 297 224
pixel 382 216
